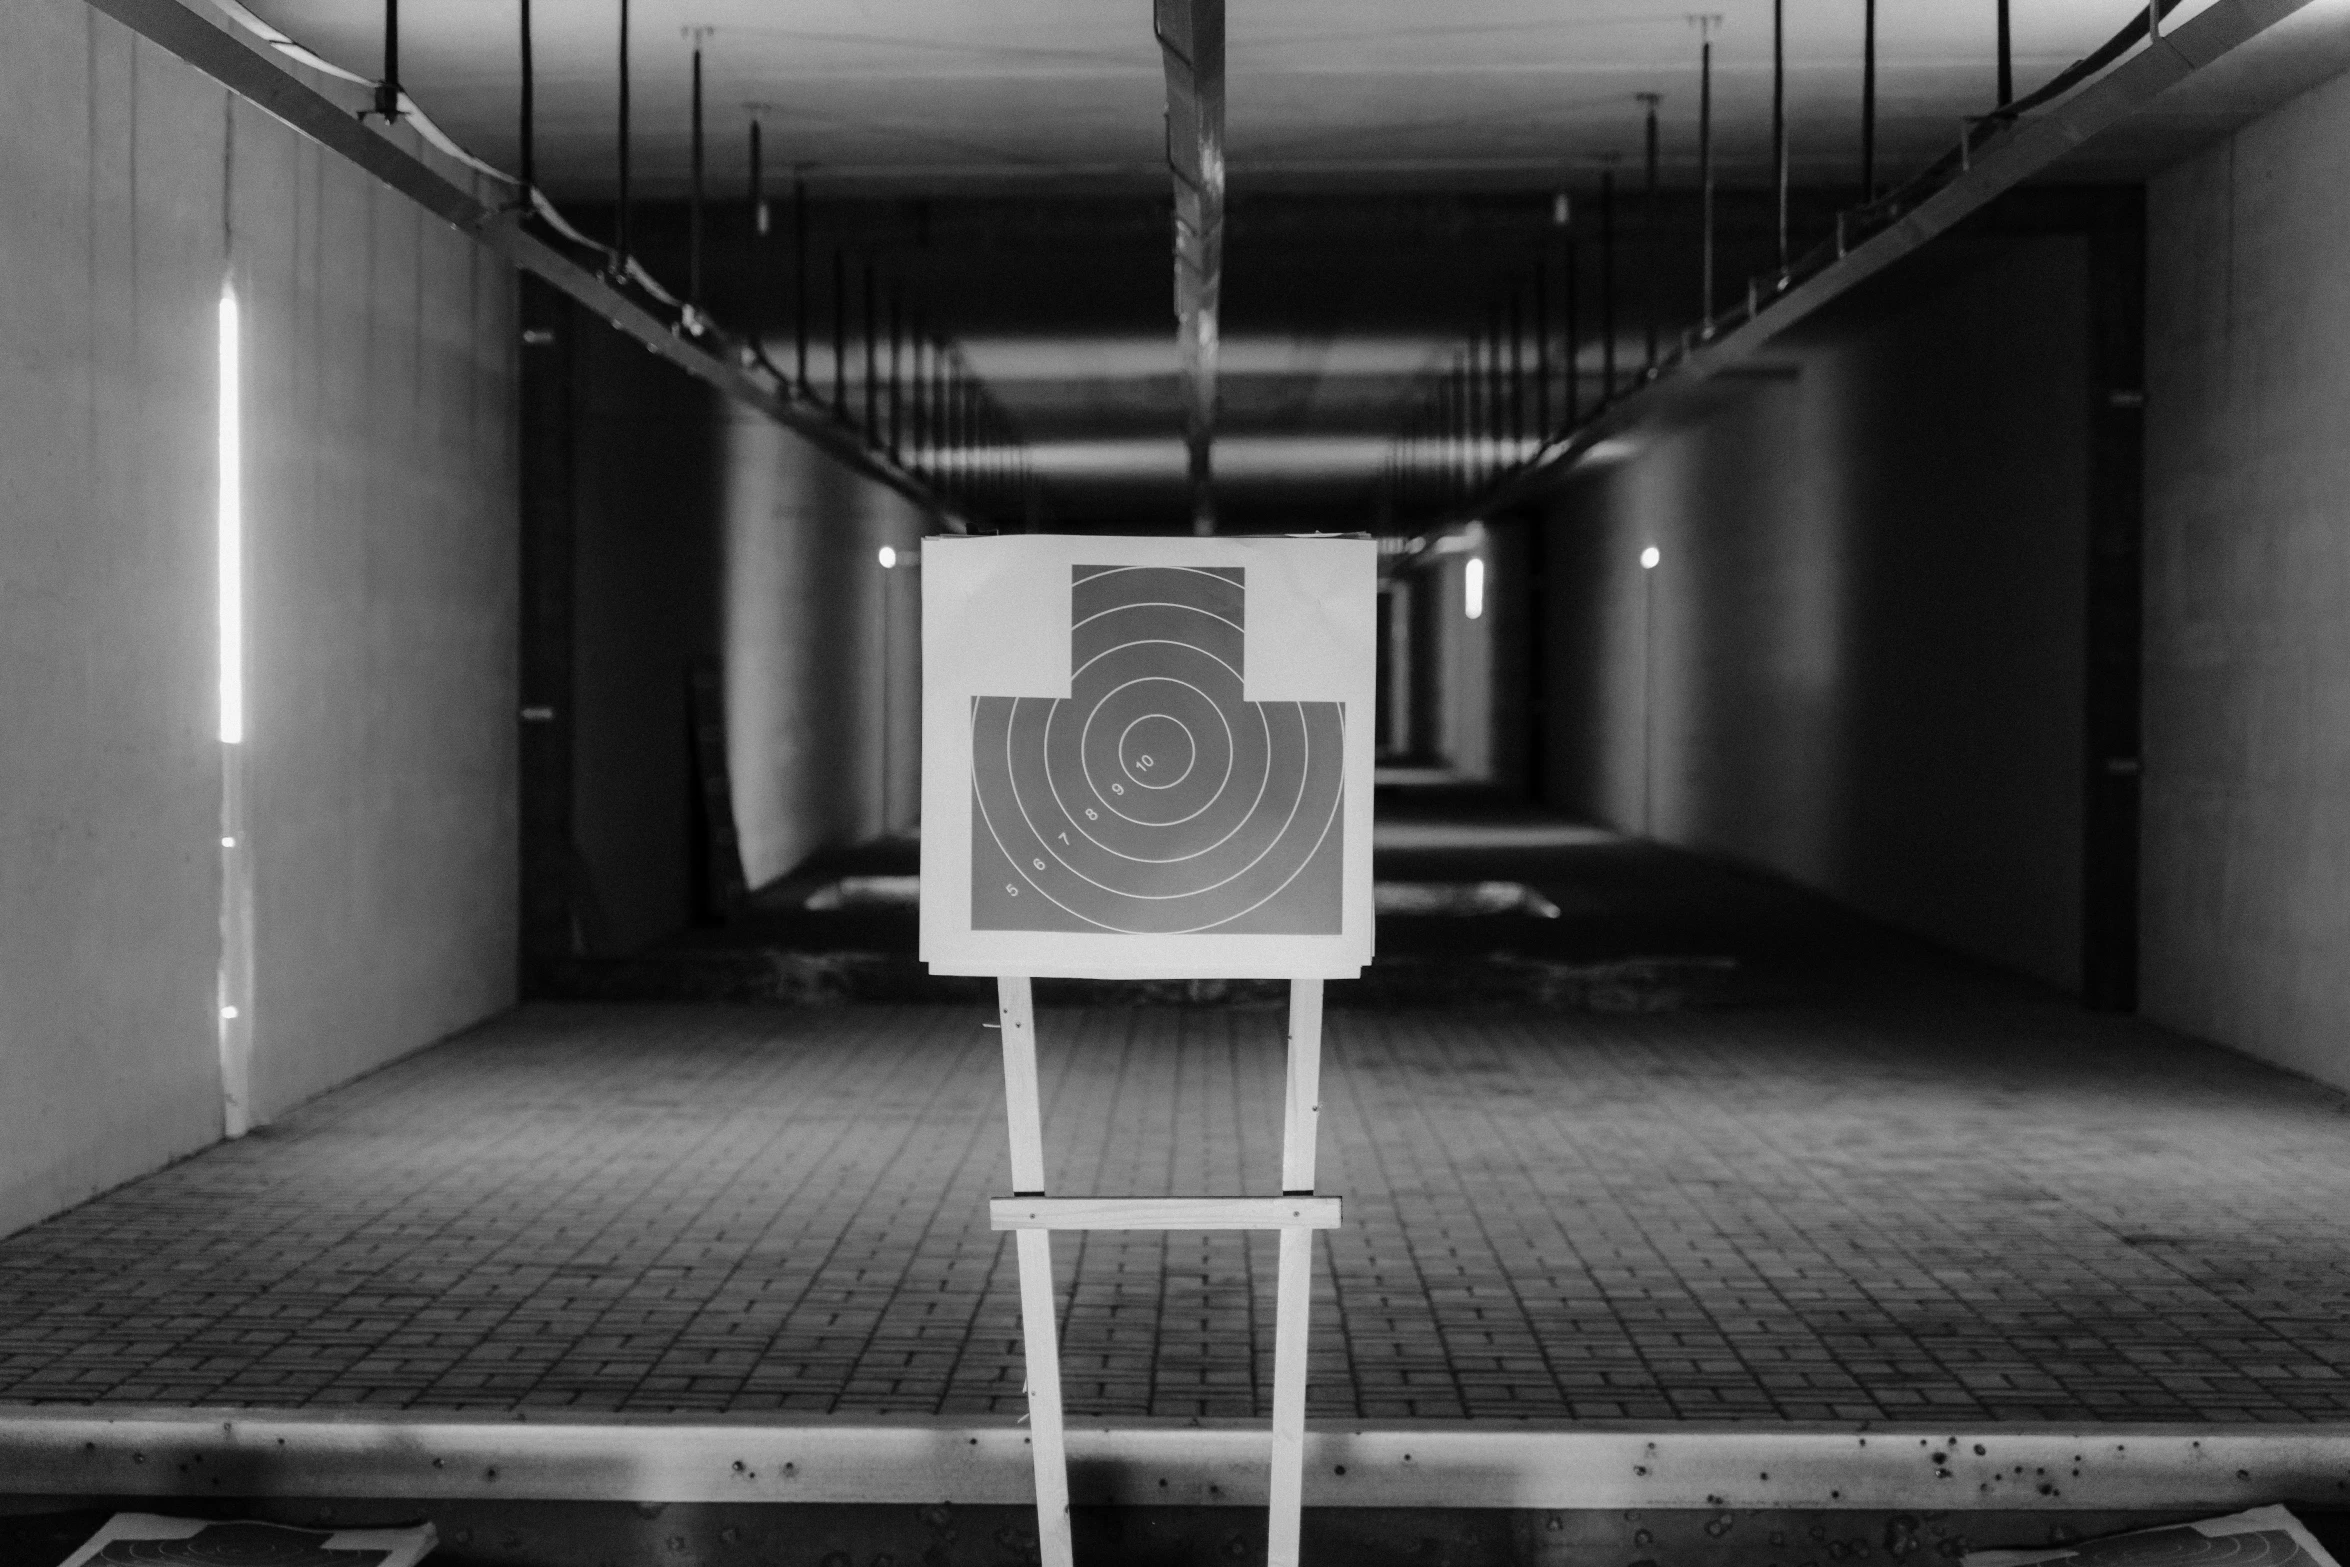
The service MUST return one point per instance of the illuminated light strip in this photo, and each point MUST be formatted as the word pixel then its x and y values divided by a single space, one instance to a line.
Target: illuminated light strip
pixel 231 529
pixel 234 1023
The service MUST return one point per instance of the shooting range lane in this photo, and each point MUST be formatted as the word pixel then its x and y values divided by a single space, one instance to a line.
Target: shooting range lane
pixel 1972 1205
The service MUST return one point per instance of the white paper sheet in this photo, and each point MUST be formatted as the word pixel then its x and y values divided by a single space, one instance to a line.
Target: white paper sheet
pixel 151 1537
pixel 1147 757
pixel 2263 1537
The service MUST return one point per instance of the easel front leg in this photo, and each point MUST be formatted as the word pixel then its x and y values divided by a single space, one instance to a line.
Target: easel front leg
pixel 1294 1302
pixel 1293 1311
pixel 1040 1344
pixel 1040 1339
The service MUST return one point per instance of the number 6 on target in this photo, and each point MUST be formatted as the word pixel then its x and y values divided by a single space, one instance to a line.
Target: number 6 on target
pixel 1147 758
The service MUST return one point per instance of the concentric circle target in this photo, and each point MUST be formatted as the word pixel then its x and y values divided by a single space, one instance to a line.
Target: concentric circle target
pixel 1154 799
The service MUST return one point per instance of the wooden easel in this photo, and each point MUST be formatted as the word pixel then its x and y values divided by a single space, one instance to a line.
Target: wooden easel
pixel 1296 1213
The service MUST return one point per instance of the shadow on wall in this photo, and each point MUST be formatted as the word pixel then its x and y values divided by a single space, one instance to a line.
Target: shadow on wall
pixel 707 537
pixel 646 552
pixel 1859 658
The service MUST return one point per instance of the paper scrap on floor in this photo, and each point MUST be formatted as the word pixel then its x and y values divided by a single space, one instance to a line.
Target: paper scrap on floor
pixel 2263 1537
pixel 1461 898
pixel 149 1538
pixel 867 892
pixel 1389 897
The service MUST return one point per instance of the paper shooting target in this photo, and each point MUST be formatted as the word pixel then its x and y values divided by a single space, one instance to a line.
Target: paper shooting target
pixel 1154 799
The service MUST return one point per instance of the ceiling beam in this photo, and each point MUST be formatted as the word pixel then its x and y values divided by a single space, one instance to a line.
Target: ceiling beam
pixel 1191 41
pixel 255 75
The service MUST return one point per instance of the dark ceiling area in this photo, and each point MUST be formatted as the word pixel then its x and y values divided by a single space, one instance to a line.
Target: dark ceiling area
pixel 1340 314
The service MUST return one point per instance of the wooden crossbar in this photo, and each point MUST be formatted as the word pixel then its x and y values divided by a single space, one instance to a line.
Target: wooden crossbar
pixel 1163 1213
pixel 1295 1214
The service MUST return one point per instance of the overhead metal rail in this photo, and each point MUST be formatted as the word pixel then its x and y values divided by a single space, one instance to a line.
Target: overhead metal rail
pixel 1994 155
pixel 732 366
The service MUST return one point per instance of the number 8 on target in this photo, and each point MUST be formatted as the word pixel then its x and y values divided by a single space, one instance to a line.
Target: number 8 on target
pixel 1147 757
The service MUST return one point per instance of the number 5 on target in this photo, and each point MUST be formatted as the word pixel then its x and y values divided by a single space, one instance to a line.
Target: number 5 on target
pixel 1147 758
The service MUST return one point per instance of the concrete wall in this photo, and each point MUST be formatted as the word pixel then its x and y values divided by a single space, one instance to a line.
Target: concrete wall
pixel 380 613
pixel 1860 662
pixel 2246 907
pixel 381 605
pixel 813 628
pixel 1467 714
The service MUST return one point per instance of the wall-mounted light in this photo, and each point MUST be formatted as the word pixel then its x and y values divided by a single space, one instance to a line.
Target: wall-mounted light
pixel 1473 589
pixel 231 529
pixel 1649 558
pixel 235 978
pixel 889 557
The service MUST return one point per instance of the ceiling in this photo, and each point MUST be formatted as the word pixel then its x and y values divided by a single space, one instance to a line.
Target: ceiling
pixel 932 94
pixel 1390 163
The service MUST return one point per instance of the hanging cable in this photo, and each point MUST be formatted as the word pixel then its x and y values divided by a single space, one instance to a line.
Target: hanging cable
pixel 1542 426
pixel 1648 239
pixel 1517 374
pixel 693 265
pixel 529 128
pixel 1607 285
pixel 1705 169
pixel 840 336
pixel 1563 216
pixel 872 382
pixel 896 324
pixel 1779 120
pixel 2006 59
pixel 799 282
pixel 387 91
pixel 1868 101
pixel 620 212
pixel 755 296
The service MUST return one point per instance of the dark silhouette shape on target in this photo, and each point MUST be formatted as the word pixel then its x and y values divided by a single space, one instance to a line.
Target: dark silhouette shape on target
pixel 1153 799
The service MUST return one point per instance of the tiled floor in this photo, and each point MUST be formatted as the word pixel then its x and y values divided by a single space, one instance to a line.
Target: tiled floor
pixel 1981 1205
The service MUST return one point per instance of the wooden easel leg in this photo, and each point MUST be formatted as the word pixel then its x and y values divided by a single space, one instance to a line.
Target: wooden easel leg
pixel 1293 1308
pixel 1040 1339
pixel 1040 1343
pixel 1292 1315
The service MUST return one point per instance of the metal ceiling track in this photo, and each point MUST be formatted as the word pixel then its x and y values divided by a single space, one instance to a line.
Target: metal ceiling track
pixel 2027 147
pixel 1191 39
pixel 254 75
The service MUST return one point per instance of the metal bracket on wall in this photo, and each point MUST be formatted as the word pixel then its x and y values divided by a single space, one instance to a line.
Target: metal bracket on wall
pixel 254 75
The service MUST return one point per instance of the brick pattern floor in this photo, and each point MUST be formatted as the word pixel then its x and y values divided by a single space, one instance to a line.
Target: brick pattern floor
pixel 1991 1208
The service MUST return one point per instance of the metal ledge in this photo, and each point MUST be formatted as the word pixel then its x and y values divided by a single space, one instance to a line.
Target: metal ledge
pixel 61 1450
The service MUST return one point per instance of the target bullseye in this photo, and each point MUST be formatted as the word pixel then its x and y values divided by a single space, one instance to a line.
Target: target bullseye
pixel 1157 751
